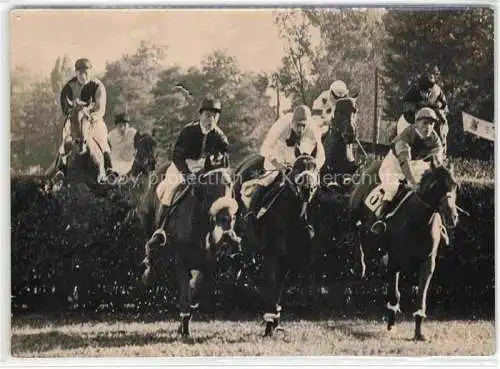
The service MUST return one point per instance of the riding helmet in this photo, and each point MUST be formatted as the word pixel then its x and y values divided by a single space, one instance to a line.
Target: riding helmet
pixel 426 113
pixel 301 113
pixel 210 103
pixel 338 89
pixel 83 63
pixel 426 81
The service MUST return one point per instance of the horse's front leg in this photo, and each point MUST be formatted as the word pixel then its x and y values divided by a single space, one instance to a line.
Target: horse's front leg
pixel 272 314
pixel 195 283
pixel 183 279
pixel 393 294
pixel 426 270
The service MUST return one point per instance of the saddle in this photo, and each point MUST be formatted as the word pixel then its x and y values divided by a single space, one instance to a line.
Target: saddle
pixel 264 197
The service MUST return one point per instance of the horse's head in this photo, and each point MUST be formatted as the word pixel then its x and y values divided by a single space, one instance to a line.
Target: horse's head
pixel 145 159
pixel 305 174
pixel 344 119
pixel 215 188
pixel 79 118
pixel 438 188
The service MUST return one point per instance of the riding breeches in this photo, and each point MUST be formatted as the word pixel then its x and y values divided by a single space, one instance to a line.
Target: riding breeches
pixel 248 188
pixel 98 131
pixel 391 174
pixel 173 178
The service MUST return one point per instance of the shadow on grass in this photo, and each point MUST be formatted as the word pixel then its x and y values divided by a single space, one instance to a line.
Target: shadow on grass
pixel 357 330
pixel 47 341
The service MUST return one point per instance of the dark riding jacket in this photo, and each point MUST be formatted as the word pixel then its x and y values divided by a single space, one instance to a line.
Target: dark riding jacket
pixel 94 91
pixel 193 144
pixel 434 99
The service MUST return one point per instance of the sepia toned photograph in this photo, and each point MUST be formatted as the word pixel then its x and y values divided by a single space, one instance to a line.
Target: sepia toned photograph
pixel 222 182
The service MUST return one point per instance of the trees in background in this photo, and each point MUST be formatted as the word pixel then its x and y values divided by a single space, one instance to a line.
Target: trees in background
pixel 460 43
pixel 246 111
pixel 330 44
pixel 321 46
pixel 129 82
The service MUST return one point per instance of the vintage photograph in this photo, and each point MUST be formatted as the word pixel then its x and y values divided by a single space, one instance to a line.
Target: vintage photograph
pixel 252 182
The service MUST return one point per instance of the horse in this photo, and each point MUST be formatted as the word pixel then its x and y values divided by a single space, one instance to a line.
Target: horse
pixel 279 233
pixel 339 141
pixel 415 230
pixel 329 206
pixel 85 159
pixel 200 227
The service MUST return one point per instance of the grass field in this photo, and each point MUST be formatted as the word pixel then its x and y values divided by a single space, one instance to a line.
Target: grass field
pixel 39 337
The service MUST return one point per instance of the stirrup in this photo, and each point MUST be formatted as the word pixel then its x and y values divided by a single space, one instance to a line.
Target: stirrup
pixel 162 233
pixel 378 223
pixel 59 176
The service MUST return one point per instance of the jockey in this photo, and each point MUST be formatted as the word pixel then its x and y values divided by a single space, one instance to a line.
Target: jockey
pixel 318 116
pixel 338 90
pixel 323 108
pixel 407 159
pixel 91 91
pixel 425 93
pixel 121 140
pixel 278 148
pixel 196 141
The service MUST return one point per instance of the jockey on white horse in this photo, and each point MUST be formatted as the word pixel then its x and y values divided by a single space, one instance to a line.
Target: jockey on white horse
pixel 408 159
pixel 83 89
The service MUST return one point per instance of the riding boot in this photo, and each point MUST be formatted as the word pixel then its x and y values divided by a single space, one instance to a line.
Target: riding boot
pixel 108 166
pixel 161 221
pixel 380 225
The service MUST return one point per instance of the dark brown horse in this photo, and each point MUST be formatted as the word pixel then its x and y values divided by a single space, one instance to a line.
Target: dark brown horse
pixel 414 231
pixel 199 227
pixel 339 141
pixel 280 234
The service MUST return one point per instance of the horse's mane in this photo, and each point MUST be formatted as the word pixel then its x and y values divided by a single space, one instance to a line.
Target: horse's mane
pixel 347 105
pixel 434 171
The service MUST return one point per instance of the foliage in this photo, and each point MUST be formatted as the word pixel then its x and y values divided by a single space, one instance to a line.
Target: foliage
pixel 129 82
pixel 36 122
pixel 295 72
pixel 53 251
pixel 460 43
pixel 246 113
pixel 351 47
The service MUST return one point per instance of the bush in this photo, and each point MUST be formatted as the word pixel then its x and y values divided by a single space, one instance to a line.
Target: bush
pixel 70 250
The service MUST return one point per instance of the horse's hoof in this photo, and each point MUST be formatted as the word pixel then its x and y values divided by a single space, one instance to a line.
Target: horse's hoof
pixel 184 334
pixel 419 337
pixel 269 329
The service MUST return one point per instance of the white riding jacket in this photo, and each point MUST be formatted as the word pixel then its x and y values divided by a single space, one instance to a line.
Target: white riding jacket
pixel 275 147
